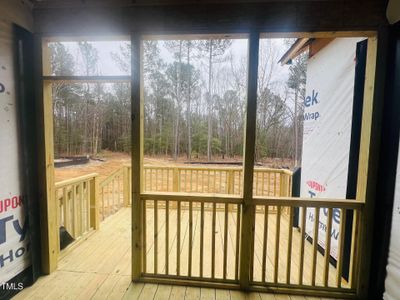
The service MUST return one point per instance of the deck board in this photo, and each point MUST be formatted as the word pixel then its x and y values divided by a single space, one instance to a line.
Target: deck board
pixel 98 267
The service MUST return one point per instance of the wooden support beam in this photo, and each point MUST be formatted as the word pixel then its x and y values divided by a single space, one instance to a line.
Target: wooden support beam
pixel 48 207
pixel 247 233
pixel 368 161
pixel 87 79
pixel 137 156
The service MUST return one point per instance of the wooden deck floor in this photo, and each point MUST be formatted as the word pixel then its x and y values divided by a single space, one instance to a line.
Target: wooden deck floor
pixel 99 266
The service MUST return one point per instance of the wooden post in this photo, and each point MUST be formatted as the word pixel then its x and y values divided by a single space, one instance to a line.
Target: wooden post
pixel 247 234
pixel 75 210
pixel 48 206
pixel 231 185
pixel 368 162
pixel 230 182
pixel 94 203
pixel 137 156
pixel 282 184
pixel 175 180
pixel 125 185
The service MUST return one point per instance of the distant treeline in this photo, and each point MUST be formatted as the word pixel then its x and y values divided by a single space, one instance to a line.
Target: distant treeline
pixel 194 102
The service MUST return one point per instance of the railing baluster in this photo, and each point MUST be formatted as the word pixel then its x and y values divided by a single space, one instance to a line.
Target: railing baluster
pixel 256 179
pixel 263 183
pixel 302 239
pixel 327 247
pixel 208 179
pixel 277 237
pixel 65 209
pixel 108 199
pixel 167 237
pixel 237 242
pixel 155 236
pixel 214 181
pixel 81 205
pixel 225 240
pixel 74 209
pixel 144 209
pixel 201 237
pixel 315 246
pixel 88 205
pixel 157 179
pixel 289 250
pixel 202 181
pixel 220 182
pixel 151 179
pixel 168 190
pixel 186 181
pixel 190 238
pixel 191 181
pixel 147 179
pixel 213 239
pixel 252 241
pixel 342 231
pixel 178 240
pixel 265 239
pixel 102 204
pixel 113 195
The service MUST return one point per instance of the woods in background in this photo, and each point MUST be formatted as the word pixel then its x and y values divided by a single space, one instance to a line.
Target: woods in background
pixel 194 101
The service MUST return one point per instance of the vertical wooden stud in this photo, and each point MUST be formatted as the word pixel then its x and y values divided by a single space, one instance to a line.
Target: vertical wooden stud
pixel 247 234
pixel 137 155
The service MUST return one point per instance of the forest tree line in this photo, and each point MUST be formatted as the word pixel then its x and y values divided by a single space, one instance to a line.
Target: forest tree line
pixel 194 101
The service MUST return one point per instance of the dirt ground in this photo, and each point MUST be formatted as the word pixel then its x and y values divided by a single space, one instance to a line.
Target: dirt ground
pixel 111 161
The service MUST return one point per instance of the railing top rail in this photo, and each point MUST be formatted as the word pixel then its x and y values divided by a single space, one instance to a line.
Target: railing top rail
pixel 217 168
pixel 72 181
pixel 309 202
pixel 110 177
pixel 192 197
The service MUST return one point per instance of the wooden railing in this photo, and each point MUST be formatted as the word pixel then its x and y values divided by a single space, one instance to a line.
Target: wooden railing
pixel 114 192
pixel 286 257
pixel 77 204
pixel 186 242
pixel 193 233
pixel 179 242
pixel 195 237
pixel 85 201
pixel 220 180
pixel 191 220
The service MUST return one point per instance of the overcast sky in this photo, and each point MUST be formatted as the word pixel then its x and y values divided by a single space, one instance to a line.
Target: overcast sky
pixel 107 65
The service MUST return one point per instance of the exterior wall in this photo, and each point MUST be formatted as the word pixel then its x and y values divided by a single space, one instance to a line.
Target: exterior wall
pixel 14 240
pixel 327 131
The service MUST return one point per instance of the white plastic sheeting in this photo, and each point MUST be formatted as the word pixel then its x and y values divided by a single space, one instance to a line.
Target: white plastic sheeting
pixel 14 245
pixel 327 131
pixel 392 282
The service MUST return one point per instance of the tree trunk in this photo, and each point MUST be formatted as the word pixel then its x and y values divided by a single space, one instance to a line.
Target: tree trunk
pixel 189 121
pixel 209 104
pixel 178 104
